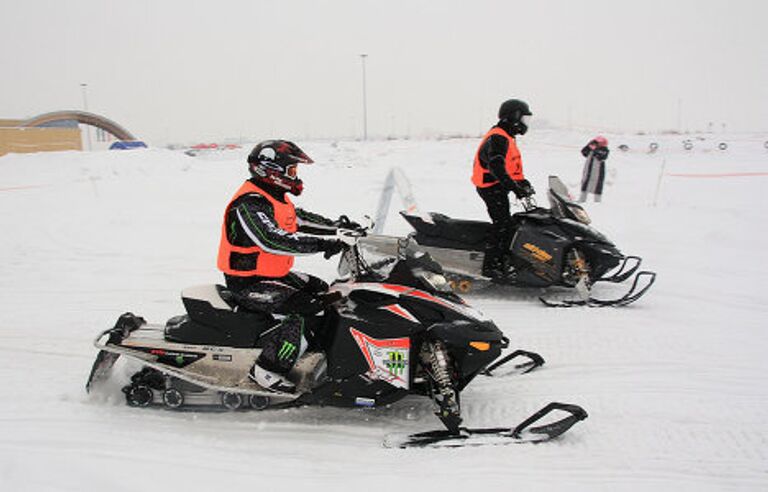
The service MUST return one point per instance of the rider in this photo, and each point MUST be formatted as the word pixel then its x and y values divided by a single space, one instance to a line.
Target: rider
pixel 498 169
pixel 261 233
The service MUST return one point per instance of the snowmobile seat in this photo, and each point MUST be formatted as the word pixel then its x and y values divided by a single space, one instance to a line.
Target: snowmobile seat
pixel 445 232
pixel 212 319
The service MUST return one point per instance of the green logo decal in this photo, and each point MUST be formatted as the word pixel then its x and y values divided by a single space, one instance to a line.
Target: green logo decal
pixel 232 232
pixel 286 350
pixel 396 363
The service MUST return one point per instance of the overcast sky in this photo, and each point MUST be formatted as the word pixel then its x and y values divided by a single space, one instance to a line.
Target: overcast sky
pixel 185 70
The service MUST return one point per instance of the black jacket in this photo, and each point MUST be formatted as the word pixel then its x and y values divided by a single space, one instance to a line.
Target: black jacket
pixel 599 152
pixel 250 222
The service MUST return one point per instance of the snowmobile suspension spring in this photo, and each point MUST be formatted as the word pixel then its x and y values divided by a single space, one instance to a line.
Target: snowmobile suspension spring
pixel 439 365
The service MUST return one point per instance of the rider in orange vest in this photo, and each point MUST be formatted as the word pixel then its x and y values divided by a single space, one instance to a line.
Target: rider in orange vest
pixel 261 233
pixel 498 169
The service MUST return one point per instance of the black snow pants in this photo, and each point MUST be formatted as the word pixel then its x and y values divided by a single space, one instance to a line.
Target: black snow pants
pixel 593 176
pixel 296 298
pixel 496 200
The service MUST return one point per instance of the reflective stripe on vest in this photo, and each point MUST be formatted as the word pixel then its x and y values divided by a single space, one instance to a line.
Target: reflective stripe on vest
pixel 267 264
pixel 513 164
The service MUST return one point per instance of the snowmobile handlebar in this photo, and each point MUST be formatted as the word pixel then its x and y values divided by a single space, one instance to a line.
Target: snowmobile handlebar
pixel 528 203
pixel 349 237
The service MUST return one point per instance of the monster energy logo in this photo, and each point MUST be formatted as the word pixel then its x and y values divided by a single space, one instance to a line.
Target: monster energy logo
pixel 286 350
pixel 232 232
pixel 396 363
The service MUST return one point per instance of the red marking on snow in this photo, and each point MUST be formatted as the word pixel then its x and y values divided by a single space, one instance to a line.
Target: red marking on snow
pixel 715 175
pixel 13 188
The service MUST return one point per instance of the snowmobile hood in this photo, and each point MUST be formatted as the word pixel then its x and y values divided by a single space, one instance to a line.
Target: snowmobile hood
pixel 587 232
pixel 465 310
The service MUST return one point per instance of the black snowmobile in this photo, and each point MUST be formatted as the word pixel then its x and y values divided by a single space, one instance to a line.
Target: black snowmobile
pixel 387 331
pixel 554 247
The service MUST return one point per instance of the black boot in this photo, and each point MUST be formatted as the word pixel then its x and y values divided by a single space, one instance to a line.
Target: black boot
pixel 493 266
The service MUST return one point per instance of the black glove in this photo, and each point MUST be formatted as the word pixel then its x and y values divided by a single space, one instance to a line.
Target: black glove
pixel 523 189
pixel 601 153
pixel 331 247
pixel 343 222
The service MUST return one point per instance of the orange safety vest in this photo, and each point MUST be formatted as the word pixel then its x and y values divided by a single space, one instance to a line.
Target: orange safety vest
pixel 267 264
pixel 513 164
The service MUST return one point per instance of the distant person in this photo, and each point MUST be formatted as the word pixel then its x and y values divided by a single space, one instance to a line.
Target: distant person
pixel 256 253
pixel 498 169
pixel 593 176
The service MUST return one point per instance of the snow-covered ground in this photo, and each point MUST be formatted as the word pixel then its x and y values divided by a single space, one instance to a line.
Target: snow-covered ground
pixel 675 384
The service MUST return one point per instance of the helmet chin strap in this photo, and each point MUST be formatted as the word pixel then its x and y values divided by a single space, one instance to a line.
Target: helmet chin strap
pixel 516 128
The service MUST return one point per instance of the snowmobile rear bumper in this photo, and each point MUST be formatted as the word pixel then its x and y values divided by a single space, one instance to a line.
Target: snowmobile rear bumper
pixel 105 359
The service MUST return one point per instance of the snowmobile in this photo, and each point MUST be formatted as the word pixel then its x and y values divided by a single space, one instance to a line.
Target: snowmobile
pixel 385 331
pixel 551 247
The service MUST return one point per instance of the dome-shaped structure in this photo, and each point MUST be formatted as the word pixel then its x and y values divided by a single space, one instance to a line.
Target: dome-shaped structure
pixel 81 117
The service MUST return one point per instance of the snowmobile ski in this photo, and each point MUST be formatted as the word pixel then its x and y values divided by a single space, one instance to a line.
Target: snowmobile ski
pixel 627 268
pixel 530 361
pixel 525 432
pixel 631 296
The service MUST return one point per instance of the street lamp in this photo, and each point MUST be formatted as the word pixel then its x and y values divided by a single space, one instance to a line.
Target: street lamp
pixel 365 102
pixel 85 108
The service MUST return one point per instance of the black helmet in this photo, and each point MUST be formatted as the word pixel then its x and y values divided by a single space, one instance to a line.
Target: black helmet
pixel 275 163
pixel 512 116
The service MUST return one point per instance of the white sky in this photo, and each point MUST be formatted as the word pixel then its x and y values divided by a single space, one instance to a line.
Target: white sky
pixel 185 70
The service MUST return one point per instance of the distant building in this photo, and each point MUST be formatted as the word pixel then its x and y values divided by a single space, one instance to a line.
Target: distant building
pixel 20 139
pixel 59 130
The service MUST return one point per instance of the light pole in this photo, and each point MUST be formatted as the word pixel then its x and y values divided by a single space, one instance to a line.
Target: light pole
pixel 365 102
pixel 85 108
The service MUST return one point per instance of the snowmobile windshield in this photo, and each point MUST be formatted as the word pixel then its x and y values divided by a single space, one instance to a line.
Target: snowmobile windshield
pixel 429 273
pixel 561 203
pixel 564 208
pixel 420 271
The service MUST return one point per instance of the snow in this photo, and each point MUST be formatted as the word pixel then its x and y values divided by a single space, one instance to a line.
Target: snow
pixel 674 384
